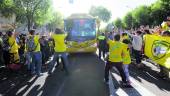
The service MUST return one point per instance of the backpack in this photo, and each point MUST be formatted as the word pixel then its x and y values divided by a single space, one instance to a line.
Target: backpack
pixel 6 45
pixel 30 44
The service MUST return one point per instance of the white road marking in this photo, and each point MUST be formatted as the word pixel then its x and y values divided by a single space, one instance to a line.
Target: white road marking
pixel 39 81
pixel 137 90
pixel 142 90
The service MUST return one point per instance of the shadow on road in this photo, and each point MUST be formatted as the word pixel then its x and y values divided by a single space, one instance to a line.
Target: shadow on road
pixel 130 91
pixel 9 80
pixel 85 78
pixel 150 75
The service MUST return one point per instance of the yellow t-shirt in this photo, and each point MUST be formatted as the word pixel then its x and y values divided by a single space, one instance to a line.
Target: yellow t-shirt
pixel 37 43
pixel 59 40
pixel 14 46
pixel 126 54
pixel 124 37
pixel 115 51
pixel 165 26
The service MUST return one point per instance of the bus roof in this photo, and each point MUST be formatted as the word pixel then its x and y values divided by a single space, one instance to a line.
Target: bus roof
pixel 80 16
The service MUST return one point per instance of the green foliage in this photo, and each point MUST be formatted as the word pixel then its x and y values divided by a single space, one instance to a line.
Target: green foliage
pixel 101 12
pixel 118 23
pixel 142 15
pixel 128 20
pixel 157 14
pixel 7 8
pixel 56 21
pixel 147 15
pixel 36 12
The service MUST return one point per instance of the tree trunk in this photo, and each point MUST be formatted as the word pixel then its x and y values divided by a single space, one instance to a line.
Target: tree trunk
pixel 29 25
pixel 29 22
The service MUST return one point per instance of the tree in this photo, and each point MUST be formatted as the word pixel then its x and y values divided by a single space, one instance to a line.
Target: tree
pixel 165 6
pixel 146 15
pixel 157 13
pixel 98 23
pixel 32 9
pixel 128 20
pixel 142 15
pixel 7 8
pixel 56 21
pixel 118 23
pixel 101 12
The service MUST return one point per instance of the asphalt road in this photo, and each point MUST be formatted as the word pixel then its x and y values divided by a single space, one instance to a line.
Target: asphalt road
pixel 85 79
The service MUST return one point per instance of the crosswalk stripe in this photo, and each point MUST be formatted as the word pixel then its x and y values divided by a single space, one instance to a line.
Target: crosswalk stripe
pixel 142 90
pixel 137 90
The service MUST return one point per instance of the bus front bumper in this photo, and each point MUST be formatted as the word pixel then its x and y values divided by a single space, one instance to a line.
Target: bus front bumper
pixel 81 50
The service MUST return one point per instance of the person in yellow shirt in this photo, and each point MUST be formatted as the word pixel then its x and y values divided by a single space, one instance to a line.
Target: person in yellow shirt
pixel 33 47
pixel 124 36
pixel 60 49
pixel 115 58
pixel 126 59
pixel 166 24
pixel 14 56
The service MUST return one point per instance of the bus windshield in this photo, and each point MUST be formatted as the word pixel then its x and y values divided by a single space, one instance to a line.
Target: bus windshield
pixel 81 28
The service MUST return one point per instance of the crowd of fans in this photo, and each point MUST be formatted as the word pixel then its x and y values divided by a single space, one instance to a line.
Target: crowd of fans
pixel 15 49
pixel 118 47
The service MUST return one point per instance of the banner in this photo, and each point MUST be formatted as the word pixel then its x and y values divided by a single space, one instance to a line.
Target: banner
pixel 157 48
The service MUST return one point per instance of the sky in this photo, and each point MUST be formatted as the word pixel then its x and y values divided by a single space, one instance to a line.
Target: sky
pixel 118 8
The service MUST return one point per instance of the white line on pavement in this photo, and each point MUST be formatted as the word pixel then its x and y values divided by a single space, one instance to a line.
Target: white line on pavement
pixel 113 91
pixel 137 90
pixel 142 90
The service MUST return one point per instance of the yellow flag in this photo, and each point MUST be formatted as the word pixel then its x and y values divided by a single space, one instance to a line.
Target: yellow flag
pixel 157 48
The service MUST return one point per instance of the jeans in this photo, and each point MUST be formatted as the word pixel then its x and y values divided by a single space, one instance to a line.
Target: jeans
pixel 43 57
pixel 1 59
pixel 126 70
pixel 55 58
pixel 102 52
pixel 119 66
pixel 36 63
pixel 6 56
pixel 28 60
pixel 137 56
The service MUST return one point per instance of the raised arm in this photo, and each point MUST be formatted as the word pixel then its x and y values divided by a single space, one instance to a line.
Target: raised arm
pixel 131 35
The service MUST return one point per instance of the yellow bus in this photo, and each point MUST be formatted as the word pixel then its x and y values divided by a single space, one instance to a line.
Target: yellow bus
pixel 81 33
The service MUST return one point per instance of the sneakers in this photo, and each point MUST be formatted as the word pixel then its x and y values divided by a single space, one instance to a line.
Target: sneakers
pixel 129 82
pixel 39 74
pixel 125 84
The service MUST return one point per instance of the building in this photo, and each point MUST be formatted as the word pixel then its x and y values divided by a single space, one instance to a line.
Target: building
pixel 7 23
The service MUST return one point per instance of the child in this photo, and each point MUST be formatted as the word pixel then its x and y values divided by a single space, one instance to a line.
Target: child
pixel 126 59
